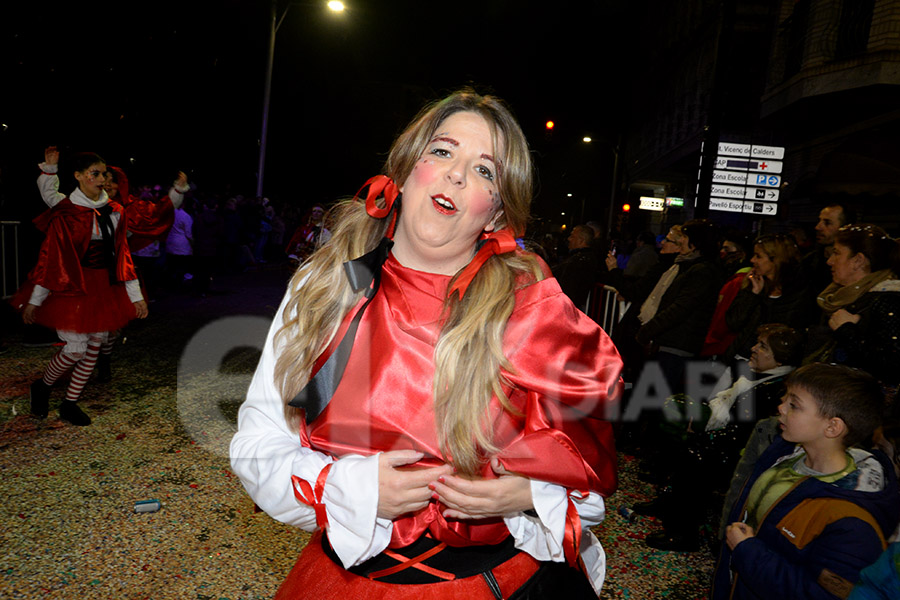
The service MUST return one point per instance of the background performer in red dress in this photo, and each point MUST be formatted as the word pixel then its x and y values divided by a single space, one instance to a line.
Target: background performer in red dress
pixel 83 285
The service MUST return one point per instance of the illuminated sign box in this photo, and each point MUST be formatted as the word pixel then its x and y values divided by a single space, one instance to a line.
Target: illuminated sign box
pixel 650 203
pixel 672 201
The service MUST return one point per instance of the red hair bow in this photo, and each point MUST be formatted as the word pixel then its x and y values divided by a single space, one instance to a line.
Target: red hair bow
pixel 499 242
pixel 381 185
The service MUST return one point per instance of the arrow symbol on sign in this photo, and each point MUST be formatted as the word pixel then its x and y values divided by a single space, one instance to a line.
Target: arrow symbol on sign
pixel 771 194
pixel 770 208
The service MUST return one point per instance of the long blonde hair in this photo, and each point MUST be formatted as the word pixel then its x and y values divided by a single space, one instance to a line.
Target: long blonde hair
pixel 469 353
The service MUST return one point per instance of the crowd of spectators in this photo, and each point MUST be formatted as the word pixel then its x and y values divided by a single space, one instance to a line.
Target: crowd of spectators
pixel 717 322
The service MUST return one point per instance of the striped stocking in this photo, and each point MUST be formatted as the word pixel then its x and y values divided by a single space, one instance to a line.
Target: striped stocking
pixel 58 367
pixel 107 346
pixel 83 370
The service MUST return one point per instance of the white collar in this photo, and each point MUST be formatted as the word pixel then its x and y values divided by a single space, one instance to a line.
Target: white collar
pixel 78 198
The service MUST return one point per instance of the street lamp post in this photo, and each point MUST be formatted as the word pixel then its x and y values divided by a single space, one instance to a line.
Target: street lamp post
pixel 267 94
pixel 612 189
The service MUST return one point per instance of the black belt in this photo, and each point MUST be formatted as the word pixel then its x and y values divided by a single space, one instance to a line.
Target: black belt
pixel 460 562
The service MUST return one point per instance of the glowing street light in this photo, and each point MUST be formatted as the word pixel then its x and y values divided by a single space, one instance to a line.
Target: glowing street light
pixel 274 25
pixel 587 139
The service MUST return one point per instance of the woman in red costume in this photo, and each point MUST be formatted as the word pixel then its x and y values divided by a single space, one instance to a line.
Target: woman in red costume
pixel 148 220
pixel 83 285
pixel 428 400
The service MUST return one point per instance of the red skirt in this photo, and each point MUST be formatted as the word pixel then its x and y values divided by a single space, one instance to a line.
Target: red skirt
pixel 316 576
pixel 103 307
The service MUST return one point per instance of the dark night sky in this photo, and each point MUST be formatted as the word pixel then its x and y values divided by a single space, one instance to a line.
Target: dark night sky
pixel 179 85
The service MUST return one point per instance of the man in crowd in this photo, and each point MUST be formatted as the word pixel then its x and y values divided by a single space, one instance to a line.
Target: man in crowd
pixel 576 273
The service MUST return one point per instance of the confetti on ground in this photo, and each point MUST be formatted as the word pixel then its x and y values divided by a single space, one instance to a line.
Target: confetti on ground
pixel 70 530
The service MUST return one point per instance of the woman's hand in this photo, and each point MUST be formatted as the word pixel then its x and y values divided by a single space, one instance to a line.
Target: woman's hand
pixel 28 314
pixel 737 533
pixel 402 491
pixel 611 262
pixel 51 155
pixel 483 498
pixel 141 308
pixel 840 317
pixel 757 282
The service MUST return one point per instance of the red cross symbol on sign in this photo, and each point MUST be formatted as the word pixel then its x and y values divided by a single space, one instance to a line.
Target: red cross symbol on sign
pixel 763 166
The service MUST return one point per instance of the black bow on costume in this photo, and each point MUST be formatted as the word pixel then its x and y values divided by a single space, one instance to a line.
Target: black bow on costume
pixel 364 273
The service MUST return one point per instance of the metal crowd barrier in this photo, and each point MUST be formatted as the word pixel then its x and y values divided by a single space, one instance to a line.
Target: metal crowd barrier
pixel 9 257
pixel 604 307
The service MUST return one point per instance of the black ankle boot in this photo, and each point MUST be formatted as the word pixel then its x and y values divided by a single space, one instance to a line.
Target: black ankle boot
pixel 104 372
pixel 71 412
pixel 40 398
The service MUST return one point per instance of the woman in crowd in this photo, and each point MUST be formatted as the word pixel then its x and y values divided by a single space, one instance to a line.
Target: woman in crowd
pixel 733 259
pixel 773 292
pixel 428 399
pixel 676 315
pixel 702 459
pixel 84 284
pixel 636 292
pixel 862 305
pixel 308 236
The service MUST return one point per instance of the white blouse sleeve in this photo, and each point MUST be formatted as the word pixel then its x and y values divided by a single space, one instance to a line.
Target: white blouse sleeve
pixel 542 537
pixel 48 183
pixel 266 452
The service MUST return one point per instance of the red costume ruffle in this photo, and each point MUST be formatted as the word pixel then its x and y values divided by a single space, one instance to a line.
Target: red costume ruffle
pixel 103 307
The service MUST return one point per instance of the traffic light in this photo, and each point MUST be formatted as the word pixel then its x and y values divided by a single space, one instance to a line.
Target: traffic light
pixel 626 208
pixel 549 125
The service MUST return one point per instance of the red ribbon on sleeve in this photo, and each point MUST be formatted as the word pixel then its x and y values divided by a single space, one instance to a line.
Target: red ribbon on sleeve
pixel 499 242
pixel 572 537
pixel 304 493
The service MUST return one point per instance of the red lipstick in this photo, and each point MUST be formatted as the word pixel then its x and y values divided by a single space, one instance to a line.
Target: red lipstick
pixel 443 204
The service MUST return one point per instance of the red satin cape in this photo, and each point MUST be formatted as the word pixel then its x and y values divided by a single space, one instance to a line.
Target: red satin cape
pixel 147 221
pixel 68 230
pixel 565 374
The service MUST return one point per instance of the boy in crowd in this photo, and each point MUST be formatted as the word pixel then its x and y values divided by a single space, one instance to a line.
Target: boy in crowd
pixel 816 509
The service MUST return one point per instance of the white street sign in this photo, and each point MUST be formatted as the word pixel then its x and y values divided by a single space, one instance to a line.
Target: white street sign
pixel 761 208
pixel 726 205
pixel 729 177
pixel 744 178
pixel 746 150
pixel 729 191
pixel 745 164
